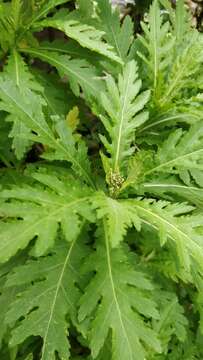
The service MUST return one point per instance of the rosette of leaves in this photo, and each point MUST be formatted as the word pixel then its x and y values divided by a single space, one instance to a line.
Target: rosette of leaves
pixel 101 252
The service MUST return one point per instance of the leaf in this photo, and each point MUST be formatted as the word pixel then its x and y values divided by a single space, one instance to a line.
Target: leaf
pixel 158 44
pixel 86 35
pixel 184 70
pixel 18 73
pixel 7 294
pixel 42 10
pixel 25 105
pixel 4 303
pixel 48 305
pixel 55 94
pixel 119 217
pixel 189 350
pixel 137 166
pixel 72 49
pixel 183 114
pixel 7 25
pixel 182 22
pixel 171 53
pixel 36 212
pixel 172 320
pixel 119 36
pixel 86 8
pixel 114 299
pixel 79 72
pixel 100 263
pixel 174 223
pixel 29 357
pixel 16 6
pixel 31 114
pixel 180 19
pixel 72 118
pixel 123 106
pixel 180 154
pixel 173 186
pixel 198 298
pixel 6 156
pixel 72 149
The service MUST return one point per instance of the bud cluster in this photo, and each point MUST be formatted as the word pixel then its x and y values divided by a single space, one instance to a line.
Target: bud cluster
pixel 115 180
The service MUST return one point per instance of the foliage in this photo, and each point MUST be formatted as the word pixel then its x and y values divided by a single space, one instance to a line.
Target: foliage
pixel 101 197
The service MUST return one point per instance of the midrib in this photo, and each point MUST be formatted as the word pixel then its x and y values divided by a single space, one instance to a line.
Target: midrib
pixel 114 291
pixel 121 127
pixel 55 297
pixel 42 220
pixel 193 244
pixel 172 161
pixel 54 142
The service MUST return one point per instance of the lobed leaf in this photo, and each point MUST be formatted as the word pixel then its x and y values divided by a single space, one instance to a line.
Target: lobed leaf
pixel 123 107
pixel 36 212
pixel 49 300
pixel 86 35
pixel 117 295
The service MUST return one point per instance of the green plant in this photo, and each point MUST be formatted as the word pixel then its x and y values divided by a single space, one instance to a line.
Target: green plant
pixel 101 238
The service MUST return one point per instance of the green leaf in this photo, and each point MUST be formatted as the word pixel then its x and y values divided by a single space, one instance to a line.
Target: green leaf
pixel 185 69
pixel 25 105
pixel 6 156
pixel 72 49
pixel 137 166
pixel 100 257
pixel 41 10
pixel 31 114
pixel 187 351
pixel 181 21
pixel 18 73
pixel 17 18
pixel 8 23
pixel 48 305
pixel 79 72
pixel 172 54
pixel 36 212
pixel 86 35
pixel 7 294
pixel 119 217
pixel 55 94
pixel 174 222
pixel 172 186
pixel 123 106
pixel 86 8
pixel 158 44
pixel 184 113
pixel 180 154
pixel 68 148
pixel 114 299
pixel 119 36
pixel 198 298
pixel 172 320
pixel 29 357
